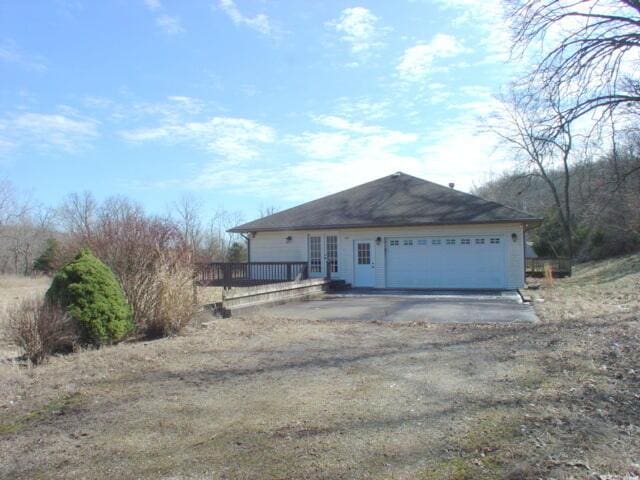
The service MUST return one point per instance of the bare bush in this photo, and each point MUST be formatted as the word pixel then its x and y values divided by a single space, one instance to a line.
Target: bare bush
pixel 40 329
pixel 173 299
pixel 140 249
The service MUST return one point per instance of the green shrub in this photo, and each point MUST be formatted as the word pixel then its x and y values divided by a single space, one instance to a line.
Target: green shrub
pixel 90 293
pixel 45 262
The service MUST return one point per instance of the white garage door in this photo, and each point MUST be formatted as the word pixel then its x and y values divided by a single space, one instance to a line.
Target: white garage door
pixel 446 262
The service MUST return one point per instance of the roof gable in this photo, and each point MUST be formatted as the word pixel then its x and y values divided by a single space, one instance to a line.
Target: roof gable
pixel 394 200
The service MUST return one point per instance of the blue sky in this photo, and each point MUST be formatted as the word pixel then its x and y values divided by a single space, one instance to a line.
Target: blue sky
pixel 245 104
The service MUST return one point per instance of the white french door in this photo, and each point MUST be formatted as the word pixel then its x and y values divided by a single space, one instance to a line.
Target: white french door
pixel 316 254
pixel 323 254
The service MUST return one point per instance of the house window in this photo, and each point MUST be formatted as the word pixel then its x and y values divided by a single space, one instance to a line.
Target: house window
pixel 436 241
pixel 315 254
pixel 332 253
pixel 364 254
pixel 451 241
pixel 422 242
pixel 408 242
pixel 494 240
pixel 394 243
pixel 465 241
pixel 479 241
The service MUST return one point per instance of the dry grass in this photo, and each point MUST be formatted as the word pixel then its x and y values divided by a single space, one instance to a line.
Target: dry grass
pixel 14 289
pixel 274 398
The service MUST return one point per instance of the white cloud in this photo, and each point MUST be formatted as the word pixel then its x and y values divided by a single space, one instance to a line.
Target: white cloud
pixel 260 22
pixel 487 17
pixel 365 108
pixel 418 61
pixel 235 139
pixel 63 131
pixel 341 153
pixel 169 24
pixel 347 154
pixel 340 123
pixel 361 29
pixel 320 145
pixel 153 5
pixel 175 109
pixel 11 53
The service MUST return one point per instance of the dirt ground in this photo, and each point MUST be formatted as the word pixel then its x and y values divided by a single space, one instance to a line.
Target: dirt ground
pixel 256 398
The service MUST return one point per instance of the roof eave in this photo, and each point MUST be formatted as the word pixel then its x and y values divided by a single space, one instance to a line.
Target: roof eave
pixel 242 229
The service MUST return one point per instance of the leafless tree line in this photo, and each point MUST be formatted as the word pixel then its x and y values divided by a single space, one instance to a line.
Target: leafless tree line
pixel 26 227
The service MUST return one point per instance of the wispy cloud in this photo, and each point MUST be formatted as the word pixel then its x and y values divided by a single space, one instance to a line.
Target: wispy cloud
pixel 172 109
pixel 360 29
pixel 11 53
pixel 234 139
pixel 486 17
pixel 337 154
pixel 169 24
pixel 66 131
pixel 260 22
pixel 418 61
pixel 365 108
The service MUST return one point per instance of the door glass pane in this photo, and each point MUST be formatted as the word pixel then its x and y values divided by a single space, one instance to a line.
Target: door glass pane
pixel 315 254
pixel 364 254
pixel 332 253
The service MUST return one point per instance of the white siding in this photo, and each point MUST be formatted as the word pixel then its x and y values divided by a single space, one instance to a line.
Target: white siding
pixel 273 247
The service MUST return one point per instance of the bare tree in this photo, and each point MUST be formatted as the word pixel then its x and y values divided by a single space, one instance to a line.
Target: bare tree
pixel 265 211
pixel 78 214
pixel 217 240
pixel 589 49
pixel 188 212
pixel 542 146
pixel 12 206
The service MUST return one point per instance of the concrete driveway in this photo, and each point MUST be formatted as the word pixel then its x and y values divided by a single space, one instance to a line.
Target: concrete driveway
pixel 411 306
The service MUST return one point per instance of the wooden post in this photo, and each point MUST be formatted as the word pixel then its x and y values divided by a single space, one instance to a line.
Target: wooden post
pixel 226 275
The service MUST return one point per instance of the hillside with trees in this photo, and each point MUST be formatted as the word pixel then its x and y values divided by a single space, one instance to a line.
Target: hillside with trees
pixel 605 197
pixel 569 124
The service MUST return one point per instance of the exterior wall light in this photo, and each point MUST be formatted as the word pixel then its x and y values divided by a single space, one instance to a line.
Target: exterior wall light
pixel 288 239
pixel 378 240
pixel 514 237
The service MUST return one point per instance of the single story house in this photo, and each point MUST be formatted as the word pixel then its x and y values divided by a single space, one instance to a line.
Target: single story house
pixel 399 231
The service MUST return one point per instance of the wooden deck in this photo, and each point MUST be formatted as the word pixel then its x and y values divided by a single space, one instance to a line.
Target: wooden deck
pixel 244 274
pixel 535 267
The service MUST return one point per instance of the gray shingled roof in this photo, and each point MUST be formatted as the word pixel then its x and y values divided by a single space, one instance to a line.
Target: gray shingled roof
pixel 395 200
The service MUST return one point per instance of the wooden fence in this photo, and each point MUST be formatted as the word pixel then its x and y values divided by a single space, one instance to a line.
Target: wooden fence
pixel 222 274
pixel 560 267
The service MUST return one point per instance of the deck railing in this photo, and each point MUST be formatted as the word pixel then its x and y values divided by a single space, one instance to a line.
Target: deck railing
pixel 222 274
pixel 560 267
